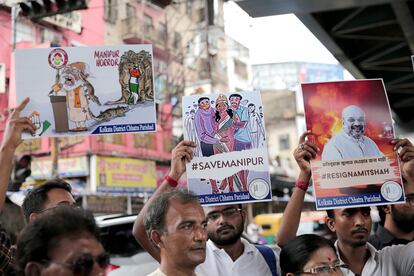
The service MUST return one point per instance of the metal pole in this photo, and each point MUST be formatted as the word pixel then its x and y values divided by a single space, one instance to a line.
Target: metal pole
pixel 209 58
pixel 129 204
pixel 14 10
pixel 54 152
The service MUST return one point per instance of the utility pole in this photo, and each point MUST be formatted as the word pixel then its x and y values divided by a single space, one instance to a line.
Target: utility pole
pixel 54 154
pixel 209 58
pixel 14 10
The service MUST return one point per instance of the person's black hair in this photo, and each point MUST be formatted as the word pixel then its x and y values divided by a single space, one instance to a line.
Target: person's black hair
pixel 217 116
pixel 251 104
pixel 44 234
pixel 37 198
pixel 297 252
pixel 330 213
pixel 382 214
pixel 236 95
pixel 202 98
pixel 154 218
pixel 12 220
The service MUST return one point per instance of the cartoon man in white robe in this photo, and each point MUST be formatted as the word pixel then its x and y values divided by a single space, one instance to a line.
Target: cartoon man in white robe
pixel 72 79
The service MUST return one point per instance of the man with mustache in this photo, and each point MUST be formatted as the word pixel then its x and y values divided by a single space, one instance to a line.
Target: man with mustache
pixel 352 226
pixel 176 225
pixel 350 142
pixel 397 221
pixel 226 253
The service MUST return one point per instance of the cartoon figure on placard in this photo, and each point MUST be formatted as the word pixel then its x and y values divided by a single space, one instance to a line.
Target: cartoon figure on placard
pixel 242 139
pixel 255 127
pixel 204 122
pixel 135 78
pixel 224 118
pixel 134 75
pixel 190 128
pixel 76 92
pixel 40 126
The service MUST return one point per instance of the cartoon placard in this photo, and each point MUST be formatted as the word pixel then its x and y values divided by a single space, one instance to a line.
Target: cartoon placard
pixel 230 163
pixel 87 90
pixel 352 126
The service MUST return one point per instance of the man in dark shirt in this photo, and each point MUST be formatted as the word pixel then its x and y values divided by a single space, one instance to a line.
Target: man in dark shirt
pixel 397 221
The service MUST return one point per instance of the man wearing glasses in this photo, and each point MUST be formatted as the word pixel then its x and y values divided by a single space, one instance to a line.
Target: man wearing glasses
pixel 40 199
pixel 352 226
pixel 226 252
pixel 49 195
pixel 63 241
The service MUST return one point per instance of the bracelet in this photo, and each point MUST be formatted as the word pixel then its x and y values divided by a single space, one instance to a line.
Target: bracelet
pixel 303 185
pixel 172 182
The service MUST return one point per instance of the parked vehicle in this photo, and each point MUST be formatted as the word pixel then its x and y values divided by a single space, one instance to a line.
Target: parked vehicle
pixel 127 256
pixel 310 222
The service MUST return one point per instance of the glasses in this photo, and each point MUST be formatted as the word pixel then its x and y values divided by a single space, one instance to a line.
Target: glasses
pixel 227 213
pixel 83 264
pixel 60 204
pixel 325 270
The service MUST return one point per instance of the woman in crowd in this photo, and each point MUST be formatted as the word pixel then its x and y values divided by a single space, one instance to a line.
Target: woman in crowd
pixel 310 255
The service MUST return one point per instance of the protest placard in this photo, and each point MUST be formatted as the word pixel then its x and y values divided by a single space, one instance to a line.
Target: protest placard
pixel 87 90
pixel 352 126
pixel 230 163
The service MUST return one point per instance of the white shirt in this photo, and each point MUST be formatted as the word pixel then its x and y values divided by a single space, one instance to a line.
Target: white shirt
pixel 396 260
pixel 343 146
pixel 157 272
pixel 250 263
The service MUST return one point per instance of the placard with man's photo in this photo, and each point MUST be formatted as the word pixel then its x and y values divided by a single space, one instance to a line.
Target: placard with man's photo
pixel 352 126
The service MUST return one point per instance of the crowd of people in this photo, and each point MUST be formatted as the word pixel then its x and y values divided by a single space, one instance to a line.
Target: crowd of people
pixel 188 239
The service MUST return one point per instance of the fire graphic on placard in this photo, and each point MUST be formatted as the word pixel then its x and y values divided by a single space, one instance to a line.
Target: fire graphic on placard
pixel 324 103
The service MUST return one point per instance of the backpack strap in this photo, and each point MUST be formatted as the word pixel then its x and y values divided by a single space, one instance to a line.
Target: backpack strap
pixel 269 257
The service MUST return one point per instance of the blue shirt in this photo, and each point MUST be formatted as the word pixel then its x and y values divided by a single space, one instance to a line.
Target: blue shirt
pixel 243 134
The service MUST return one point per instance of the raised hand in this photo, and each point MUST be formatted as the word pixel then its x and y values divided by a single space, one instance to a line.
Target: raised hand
pixel 181 154
pixel 406 156
pixel 15 126
pixel 305 152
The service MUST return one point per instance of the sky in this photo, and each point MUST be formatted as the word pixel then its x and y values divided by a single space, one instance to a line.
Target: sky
pixel 274 38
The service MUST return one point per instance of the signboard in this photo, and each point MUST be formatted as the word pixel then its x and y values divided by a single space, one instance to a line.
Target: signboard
pixel 87 90
pixel 230 163
pixel 115 174
pixel 68 167
pixel 352 126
